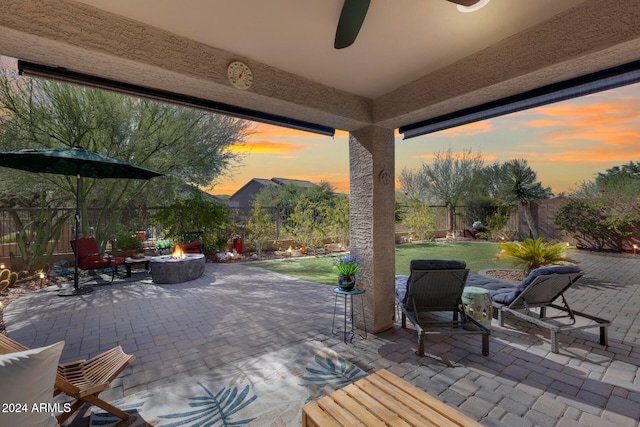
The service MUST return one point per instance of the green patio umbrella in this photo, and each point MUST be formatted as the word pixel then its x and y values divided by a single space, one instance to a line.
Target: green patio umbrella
pixel 73 161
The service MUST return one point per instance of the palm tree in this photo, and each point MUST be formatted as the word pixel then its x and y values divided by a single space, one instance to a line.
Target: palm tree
pixel 518 184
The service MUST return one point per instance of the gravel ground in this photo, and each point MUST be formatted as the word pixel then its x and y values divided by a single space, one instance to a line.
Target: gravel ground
pixel 513 275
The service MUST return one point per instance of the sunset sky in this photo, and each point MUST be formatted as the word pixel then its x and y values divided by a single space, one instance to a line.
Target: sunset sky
pixel 564 143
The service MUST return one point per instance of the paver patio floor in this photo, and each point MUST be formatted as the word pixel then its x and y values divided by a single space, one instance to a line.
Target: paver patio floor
pixel 235 311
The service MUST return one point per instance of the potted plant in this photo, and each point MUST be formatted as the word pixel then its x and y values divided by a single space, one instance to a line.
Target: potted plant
pixel 164 247
pixel 346 267
pixel 128 242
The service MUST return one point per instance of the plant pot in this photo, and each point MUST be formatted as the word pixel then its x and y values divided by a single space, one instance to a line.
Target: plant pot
pixel 347 283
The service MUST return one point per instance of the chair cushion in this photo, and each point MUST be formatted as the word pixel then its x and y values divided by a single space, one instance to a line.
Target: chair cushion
pixel 401 287
pixel 114 260
pixel 192 247
pixel 505 293
pixel 542 271
pixel 31 374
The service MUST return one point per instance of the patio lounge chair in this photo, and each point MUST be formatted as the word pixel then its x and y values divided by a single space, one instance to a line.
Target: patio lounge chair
pixel 83 380
pixel 89 257
pixel 540 290
pixel 436 286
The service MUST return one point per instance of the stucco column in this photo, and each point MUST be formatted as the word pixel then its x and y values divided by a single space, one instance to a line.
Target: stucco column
pixel 371 160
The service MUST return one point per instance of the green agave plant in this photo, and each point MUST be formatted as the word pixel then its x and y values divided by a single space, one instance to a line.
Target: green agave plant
pixel 531 254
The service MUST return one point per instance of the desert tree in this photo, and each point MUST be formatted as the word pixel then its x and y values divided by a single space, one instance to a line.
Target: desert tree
pixel 449 179
pixel 518 183
pixel 188 145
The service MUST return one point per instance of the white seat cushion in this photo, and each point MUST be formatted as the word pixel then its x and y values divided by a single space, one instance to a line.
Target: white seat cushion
pixel 27 379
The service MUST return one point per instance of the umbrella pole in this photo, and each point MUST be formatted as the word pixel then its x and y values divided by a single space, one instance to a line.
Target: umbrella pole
pixel 77 290
pixel 75 276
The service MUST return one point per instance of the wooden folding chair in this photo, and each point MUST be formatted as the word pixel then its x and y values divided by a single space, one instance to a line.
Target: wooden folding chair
pixel 83 380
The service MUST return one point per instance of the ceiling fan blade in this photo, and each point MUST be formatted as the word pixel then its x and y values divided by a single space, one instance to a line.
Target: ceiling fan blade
pixel 351 19
pixel 466 3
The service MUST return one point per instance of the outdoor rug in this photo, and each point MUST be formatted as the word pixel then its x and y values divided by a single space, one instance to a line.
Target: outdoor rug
pixel 266 391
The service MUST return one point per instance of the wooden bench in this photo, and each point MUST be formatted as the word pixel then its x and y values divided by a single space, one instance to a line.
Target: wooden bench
pixel 382 399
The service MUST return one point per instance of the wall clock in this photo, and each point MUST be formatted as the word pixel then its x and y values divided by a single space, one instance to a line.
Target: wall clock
pixel 240 75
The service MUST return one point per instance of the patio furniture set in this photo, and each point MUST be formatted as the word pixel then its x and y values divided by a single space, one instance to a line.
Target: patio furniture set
pixel 434 287
pixel 168 269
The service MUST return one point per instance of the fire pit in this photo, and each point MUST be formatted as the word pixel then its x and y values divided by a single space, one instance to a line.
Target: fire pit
pixel 177 267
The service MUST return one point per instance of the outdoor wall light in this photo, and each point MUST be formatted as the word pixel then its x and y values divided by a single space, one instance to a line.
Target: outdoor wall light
pixel 479 5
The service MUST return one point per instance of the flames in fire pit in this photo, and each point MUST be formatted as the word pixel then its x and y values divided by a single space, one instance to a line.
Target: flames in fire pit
pixel 178 253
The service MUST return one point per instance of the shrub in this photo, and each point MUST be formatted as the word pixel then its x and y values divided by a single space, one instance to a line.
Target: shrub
pixel 599 223
pixel 531 254
pixel 496 226
pixel 195 214
pixel 126 240
pixel 419 219
pixel 303 224
pixel 260 227
pixel 336 220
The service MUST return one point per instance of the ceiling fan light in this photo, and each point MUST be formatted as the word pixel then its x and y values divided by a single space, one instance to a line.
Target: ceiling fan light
pixel 479 5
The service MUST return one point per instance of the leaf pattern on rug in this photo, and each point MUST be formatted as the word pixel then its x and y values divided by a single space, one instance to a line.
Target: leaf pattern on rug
pixel 103 418
pixel 338 374
pixel 214 410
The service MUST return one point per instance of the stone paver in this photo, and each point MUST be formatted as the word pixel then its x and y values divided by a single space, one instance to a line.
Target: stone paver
pixel 235 311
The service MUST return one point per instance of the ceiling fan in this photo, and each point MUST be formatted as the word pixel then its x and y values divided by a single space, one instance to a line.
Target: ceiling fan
pixel 352 17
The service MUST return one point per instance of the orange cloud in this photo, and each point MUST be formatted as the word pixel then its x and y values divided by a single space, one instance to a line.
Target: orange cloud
pixel 469 130
pixel 620 108
pixel 544 123
pixel 592 155
pixel 615 122
pixel 267 147
pixel 265 131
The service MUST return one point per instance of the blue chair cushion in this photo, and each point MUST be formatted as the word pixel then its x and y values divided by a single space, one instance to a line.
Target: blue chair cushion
pixel 505 293
pixel 401 287
pixel 541 271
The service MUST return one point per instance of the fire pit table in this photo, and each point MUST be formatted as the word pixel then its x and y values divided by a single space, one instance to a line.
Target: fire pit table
pixel 169 269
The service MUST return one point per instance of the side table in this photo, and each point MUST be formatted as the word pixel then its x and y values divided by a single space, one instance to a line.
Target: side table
pixel 130 262
pixel 477 303
pixel 348 307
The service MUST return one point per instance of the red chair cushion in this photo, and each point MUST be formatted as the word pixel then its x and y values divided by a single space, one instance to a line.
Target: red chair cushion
pixel 192 248
pixel 89 257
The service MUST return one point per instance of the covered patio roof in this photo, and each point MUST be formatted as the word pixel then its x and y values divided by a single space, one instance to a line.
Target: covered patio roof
pixel 412 60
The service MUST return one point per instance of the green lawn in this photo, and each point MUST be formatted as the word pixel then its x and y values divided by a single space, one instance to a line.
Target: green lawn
pixel 478 256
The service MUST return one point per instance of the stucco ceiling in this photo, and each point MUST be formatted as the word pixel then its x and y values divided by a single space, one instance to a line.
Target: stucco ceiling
pixel 400 41
pixel 413 59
